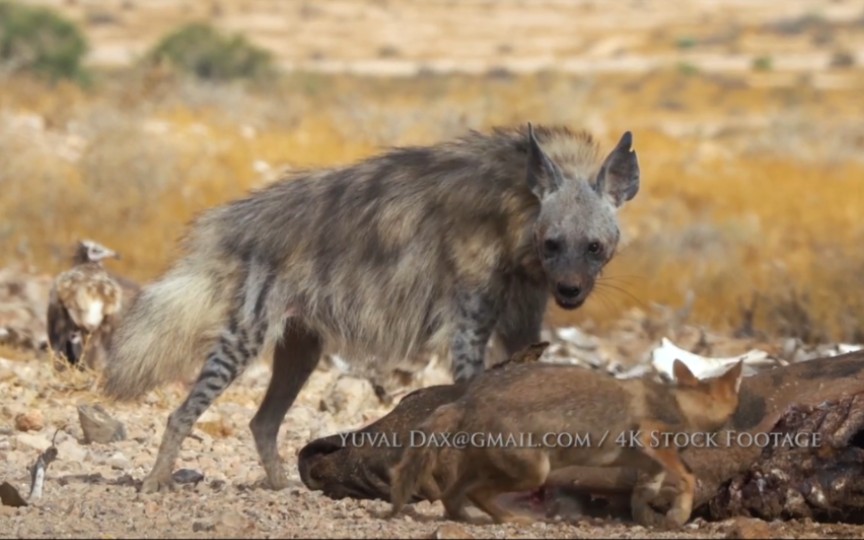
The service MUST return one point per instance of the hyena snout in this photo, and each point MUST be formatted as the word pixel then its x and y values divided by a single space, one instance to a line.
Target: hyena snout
pixel 571 293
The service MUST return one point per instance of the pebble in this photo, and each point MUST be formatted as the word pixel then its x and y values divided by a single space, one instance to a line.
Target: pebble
pixel 748 528
pixel 119 461
pixel 450 531
pixel 203 526
pixel 98 426
pixel 233 519
pixel 36 442
pixel 70 450
pixel 300 415
pixel 349 396
pixel 187 476
pixel 29 421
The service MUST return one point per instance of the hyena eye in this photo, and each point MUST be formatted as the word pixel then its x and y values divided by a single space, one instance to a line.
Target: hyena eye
pixel 551 246
pixel 594 248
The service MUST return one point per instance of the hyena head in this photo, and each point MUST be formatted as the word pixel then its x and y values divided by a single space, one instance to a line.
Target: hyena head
pixel 576 232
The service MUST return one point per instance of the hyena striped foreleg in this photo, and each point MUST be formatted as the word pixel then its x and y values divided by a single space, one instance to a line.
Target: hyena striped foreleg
pixel 294 359
pixel 239 344
pixel 477 312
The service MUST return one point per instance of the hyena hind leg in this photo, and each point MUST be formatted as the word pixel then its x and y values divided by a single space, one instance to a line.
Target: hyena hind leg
pixel 294 359
pixel 236 348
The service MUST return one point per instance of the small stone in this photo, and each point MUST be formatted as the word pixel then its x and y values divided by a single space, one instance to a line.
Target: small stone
pixel 151 508
pixel 37 442
pixel 9 496
pixel 350 395
pixel 218 429
pixel 233 520
pixel 187 476
pixel 697 523
pixel 748 528
pixel 450 531
pixel 29 421
pixel 300 415
pixel 119 461
pixel 202 526
pixel 70 450
pixel 98 426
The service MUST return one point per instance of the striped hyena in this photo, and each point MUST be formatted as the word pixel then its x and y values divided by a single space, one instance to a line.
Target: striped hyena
pixel 419 249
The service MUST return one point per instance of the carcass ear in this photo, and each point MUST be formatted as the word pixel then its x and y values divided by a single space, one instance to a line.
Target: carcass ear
pixel 683 375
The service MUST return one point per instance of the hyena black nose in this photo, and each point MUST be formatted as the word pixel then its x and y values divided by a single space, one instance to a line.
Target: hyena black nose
pixel 569 291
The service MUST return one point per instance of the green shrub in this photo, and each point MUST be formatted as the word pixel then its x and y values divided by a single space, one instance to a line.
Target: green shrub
pixel 686 68
pixel 206 53
pixel 39 41
pixel 686 42
pixel 763 63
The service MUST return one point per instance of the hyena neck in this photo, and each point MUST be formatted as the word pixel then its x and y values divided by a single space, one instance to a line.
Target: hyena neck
pixel 524 254
pixel 530 269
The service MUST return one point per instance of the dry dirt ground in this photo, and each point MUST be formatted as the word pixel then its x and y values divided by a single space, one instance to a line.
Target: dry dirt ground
pixel 91 488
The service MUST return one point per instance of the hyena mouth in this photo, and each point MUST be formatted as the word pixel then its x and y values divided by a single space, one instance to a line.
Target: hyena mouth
pixel 570 296
pixel 569 303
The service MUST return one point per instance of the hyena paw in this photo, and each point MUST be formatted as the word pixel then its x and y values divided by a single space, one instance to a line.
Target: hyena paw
pixel 277 482
pixel 157 484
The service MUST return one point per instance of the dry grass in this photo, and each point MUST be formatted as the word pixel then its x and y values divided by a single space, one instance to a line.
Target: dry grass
pixel 747 187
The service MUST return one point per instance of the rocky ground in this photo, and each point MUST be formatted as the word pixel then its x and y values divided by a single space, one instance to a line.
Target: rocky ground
pixel 90 490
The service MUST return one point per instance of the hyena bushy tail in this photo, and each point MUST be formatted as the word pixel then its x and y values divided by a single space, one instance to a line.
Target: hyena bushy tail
pixel 417 465
pixel 166 332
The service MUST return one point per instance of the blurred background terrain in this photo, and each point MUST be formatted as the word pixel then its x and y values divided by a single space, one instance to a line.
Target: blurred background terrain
pixel 121 119
pixel 746 116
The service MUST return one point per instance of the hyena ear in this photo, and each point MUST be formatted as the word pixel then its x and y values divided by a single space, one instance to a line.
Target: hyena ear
pixel 544 177
pixel 619 176
pixel 683 375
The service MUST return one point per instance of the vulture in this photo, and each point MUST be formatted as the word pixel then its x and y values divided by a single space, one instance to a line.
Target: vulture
pixel 84 305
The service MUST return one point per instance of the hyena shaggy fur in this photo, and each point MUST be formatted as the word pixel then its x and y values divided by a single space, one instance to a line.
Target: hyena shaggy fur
pixel 418 249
